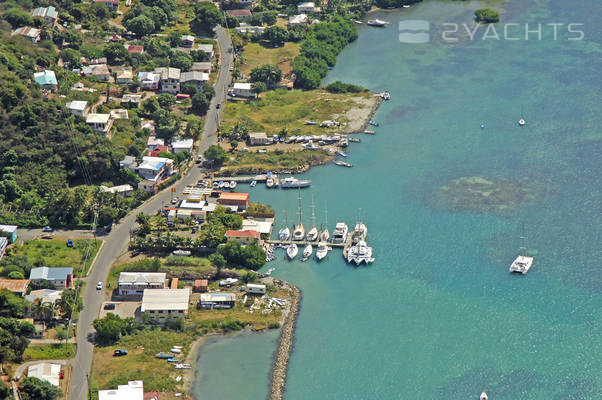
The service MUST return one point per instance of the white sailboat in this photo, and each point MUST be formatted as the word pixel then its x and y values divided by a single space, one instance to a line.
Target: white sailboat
pixel 325 235
pixel 522 263
pixel 299 230
pixel 292 250
pixel 322 250
pixel 307 251
pixel 312 235
pixel 284 233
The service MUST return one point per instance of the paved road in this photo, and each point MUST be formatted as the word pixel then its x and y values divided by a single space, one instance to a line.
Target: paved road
pixel 117 240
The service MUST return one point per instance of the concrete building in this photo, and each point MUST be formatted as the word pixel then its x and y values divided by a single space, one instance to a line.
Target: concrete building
pixel 128 162
pixel 112 4
pixel 149 80
pixel 100 123
pixel 98 71
pixel 181 145
pixel 59 277
pixel 46 372
pixel 153 142
pixel 244 237
pixel 306 7
pixel 45 296
pixel 153 168
pixel 133 100
pixel 32 34
pixel 122 74
pixel 196 78
pixel 241 89
pixel 187 40
pixel 148 186
pixel 46 80
pixel 263 227
pixel 161 304
pixel 9 231
pixel 78 108
pixel 17 286
pixel 300 19
pixel 239 200
pixel 206 48
pixel 134 390
pixel 123 190
pixel 249 29
pixel 217 300
pixel 205 67
pixel 119 113
pixel 134 283
pixel 259 139
pixel 48 14
pixel 170 79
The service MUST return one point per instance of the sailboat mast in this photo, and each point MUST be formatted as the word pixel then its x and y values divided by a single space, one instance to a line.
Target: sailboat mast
pixel 313 211
pixel 299 212
pixel 523 249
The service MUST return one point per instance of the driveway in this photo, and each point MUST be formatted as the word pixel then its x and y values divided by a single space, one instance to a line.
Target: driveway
pixel 116 242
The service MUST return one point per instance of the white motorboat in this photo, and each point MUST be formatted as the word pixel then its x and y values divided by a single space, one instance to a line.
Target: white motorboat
pixel 377 22
pixel 215 185
pixel 292 250
pixel 269 182
pixel 221 184
pixel 521 122
pixel 406 6
pixel 340 233
pixel 322 251
pixel 294 183
pixel 342 153
pixel 253 183
pixel 226 185
pixel 307 251
pixel 233 184
pixel 483 396
pixel 385 95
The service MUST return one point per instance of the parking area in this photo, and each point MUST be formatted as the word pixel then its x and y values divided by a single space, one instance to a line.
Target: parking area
pixel 124 309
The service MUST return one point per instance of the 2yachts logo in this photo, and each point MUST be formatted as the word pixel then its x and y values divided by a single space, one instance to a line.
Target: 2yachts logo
pixel 418 31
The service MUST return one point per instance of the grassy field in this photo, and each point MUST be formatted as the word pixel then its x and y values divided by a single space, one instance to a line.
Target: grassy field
pixel 276 161
pixel 255 54
pixel 289 109
pixel 55 253
pixel 53 351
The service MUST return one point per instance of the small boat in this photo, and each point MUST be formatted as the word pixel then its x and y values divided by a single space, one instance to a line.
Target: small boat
pixel 233 184
pixel 183 366
pixel 483 396
pixel 292 182
pixel 215 185
pixel 357 22
pixel 321 251
pixel 522 263
pixel 284 233
pixel 377 23
pixel 521 122
pixel 176 350
pixel 343 164
pixel 385 95
pixel 253 183
pixel 299 232
pixel 164 355
pixel 307 251
pixel 340 233
pixel 312 235
pixel 406 6
pixel 178 378
pixel 342 153
pixel 221 184
pixel 269 182
pixel 373 123
pixel 292 250
pixel 354 140
pixel 311 122
pixel 369 132
pixel 173 360
pixel 226 185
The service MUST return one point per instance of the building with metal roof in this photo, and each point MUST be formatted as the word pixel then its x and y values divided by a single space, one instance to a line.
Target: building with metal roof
pixel 162 304
pixel 134 390
pixel 134 283
pixel 59 277
pixel 46 372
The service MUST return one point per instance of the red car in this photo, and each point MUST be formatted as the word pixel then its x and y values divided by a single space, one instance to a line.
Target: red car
pixel 61 374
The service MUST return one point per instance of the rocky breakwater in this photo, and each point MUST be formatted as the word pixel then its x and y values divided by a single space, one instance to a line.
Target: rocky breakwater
pixel 285 344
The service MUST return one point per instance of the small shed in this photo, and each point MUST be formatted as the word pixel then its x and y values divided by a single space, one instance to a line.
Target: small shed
pixel 253 288
pixel 200 286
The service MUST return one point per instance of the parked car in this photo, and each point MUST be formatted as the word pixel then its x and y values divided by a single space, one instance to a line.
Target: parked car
pixel 120 352
pixel 69 243
pixel 175 200
pixel 218 105
pixel 99 286
pixel 109 306
pixel 47 229
pixel 62 375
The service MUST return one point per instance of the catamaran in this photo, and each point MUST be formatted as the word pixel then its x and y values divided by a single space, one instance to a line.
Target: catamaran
pixel 340 233
pixel 522 263
pixel 360 253
pixel 312 235
pixel 307 251
pixel 299 229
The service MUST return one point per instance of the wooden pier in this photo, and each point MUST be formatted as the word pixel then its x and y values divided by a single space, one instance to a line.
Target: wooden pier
pixel 241 179
pixel 303 243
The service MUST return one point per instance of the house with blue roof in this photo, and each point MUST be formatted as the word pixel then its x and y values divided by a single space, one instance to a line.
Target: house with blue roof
pixel 154 168
pixel 48 14
pixel 46 80
pixel 59 277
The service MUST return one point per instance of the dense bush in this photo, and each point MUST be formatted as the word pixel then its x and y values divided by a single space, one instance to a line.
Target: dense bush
pixel 486 15
pixel 340 87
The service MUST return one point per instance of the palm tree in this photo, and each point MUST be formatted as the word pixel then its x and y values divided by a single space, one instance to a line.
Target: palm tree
pixel 42 311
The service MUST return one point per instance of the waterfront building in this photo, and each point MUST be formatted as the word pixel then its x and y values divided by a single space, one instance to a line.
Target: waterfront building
pixel 217 300
pixel 161 304
pixel 134 390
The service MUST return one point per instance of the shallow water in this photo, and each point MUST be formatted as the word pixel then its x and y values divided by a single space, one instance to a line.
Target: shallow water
pixel 437 315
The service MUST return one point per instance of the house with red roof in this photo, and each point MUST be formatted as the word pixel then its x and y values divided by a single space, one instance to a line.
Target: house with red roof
pixel 244 237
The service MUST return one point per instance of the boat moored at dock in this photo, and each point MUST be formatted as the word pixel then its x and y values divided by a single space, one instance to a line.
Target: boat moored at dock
pixel 322 251
pixel 340 233
pixel 292 250
pixel 294 183
pixel 307 251
pixel 360 253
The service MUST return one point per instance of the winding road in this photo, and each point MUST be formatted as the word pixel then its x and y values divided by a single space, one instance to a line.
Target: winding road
pixel 115 242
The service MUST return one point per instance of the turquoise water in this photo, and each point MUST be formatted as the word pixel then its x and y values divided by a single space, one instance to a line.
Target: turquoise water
pixel 437 315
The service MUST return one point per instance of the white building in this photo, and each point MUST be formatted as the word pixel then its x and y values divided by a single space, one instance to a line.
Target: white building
pixel 131 99
pixel 134 283
pixel 78 108
pixel 181 145
pixel 101 123
pixel 242 90
pixel 152 168
pixel 197 78
pixel 46 372
pixel 202 67
pixel 254 288
pixel 206 48
pixel 187 40
pixel 124 190
pixel 149 80
pixel 134 390
pixel 300 19
pixel 128 162
pixel 259 139
pixel 251 30
pixel 161 304
pixel 170 79
pixel 306 7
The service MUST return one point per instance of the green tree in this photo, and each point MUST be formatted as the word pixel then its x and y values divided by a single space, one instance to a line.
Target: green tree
pixel 276 35
pixel 200 103
pixel 166 100
pixel 259 87
pixel 487 15
pixel 17 17
pixel 268 74
pixel 140 25
pixel 253 257
pixel 207 17
pixel 111 328
pixel 115 52
pixel 12 305
pixel 181 60
pixel 233 144
pixel 42 311
pixel 248 276
pixel 70 303
pixel 216 154
pixel 5 392
pixel 16 275
pixel 189 89
pixel 142 219
pixel 36 389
